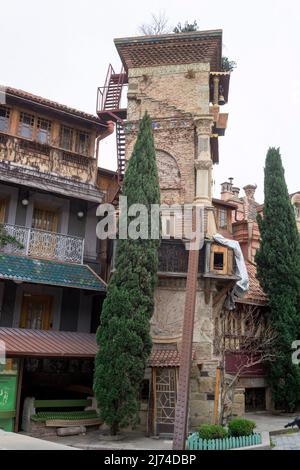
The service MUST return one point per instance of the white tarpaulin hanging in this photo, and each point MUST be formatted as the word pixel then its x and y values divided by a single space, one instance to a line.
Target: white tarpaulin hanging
pixel 242 286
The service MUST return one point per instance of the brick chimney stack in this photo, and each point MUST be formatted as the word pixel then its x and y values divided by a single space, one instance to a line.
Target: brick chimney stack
pixel 236 192
pixel 250 205
pixel 226 190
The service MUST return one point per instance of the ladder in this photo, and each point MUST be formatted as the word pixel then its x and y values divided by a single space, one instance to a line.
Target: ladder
pixel 108 109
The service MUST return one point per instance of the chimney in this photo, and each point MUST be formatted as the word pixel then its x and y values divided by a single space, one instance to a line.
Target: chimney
pixel 235 192
pixel 250 205
pixel 226 190
pixel 250 191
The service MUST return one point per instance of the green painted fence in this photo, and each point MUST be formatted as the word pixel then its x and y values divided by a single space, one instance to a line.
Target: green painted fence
pixel 196 443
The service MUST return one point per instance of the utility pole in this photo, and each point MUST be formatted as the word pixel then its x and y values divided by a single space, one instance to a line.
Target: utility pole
pixel 182 405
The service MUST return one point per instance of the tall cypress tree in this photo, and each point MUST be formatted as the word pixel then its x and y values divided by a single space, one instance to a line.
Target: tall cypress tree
pixel 278 270
pixel 123 336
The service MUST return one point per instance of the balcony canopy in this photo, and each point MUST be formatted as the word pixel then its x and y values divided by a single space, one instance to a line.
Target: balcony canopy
pixel 40 343
pixel 53 273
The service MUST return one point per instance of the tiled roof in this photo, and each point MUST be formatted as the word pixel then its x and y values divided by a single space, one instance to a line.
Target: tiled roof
pixel 168 49
pixel 51 104
pixel 255 293
pixel 41 271
pixel 44 343
pixel 165 358
pixel 40 343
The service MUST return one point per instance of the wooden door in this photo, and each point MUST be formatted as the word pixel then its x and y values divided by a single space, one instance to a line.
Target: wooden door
pixel 165 399
pixel 36 312
pixel 43 244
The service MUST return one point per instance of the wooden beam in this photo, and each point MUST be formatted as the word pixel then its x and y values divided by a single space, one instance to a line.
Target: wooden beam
pixel 18 398
pixel 217 395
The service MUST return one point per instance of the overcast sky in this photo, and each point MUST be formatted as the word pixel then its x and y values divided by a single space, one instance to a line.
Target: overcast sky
pixel 60 49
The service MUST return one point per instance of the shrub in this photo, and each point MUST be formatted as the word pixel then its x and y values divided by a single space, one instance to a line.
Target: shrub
pixel 212 431
pixel 241 427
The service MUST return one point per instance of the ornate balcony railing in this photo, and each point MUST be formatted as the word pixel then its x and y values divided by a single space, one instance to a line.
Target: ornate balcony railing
pixel 42 244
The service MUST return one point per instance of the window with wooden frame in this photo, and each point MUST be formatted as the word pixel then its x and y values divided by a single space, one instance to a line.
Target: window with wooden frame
pixel 82 143
pixel 43 132
pixel 222 218
pixel 66 138
pixel 44 219
pixel 218 259
pixel 26 125
pixel 34 128
pixel 36 312
pixel 4 118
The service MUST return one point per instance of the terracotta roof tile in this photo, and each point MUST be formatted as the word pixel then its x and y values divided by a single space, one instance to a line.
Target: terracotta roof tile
pixel 164 358
pixel 255 293
pixel 52 104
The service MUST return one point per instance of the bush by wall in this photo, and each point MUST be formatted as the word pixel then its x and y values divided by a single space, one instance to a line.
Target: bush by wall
pixel 212 431
pixel 241 427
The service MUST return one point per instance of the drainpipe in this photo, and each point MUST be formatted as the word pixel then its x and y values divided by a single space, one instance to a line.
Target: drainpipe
pixel 109 130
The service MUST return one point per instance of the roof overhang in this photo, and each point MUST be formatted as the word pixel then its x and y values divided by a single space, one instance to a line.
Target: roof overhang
pixel 47 272
pixel 16 97
pixel 168 49
pixel 40 343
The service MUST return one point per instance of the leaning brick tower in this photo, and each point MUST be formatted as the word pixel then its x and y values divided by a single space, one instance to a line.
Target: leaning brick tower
pixel 177 79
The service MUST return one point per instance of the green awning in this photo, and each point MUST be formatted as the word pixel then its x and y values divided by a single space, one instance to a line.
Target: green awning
pixel 53 273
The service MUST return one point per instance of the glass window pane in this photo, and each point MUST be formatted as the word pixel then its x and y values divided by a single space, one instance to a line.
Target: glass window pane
pixel 66 137
pixel 4 118
pixel 26 125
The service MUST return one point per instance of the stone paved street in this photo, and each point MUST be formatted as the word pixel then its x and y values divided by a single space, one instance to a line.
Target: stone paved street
pixel 287 441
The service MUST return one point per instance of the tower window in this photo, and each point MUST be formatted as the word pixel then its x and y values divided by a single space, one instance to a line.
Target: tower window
pixel 218 261
pixel 222 218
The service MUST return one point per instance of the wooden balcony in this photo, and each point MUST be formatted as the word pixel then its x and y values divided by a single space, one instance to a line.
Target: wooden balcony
pixel 215 261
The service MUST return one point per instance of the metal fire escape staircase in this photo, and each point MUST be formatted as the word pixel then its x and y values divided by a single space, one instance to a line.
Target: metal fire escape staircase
pixel 108 109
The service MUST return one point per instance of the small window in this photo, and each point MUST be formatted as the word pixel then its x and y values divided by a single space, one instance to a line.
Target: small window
pixel 4 118
pixel 43 133
pixel 26 125
pixel 222 218
pixel 82 142
pixel 66 138
pixel 218 261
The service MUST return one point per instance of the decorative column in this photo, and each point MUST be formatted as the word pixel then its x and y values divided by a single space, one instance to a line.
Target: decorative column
pixel 216 90
pixel 204 166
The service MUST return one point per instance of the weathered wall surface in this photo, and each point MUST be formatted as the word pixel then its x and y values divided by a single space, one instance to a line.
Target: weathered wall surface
pixel 77 167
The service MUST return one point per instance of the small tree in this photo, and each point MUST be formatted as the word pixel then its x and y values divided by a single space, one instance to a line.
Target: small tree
pixel 278 270
pixel 247 337
pixel 124 333
pixel 159 24
pixel 228 65
pixel 186 28
pixel 6 239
